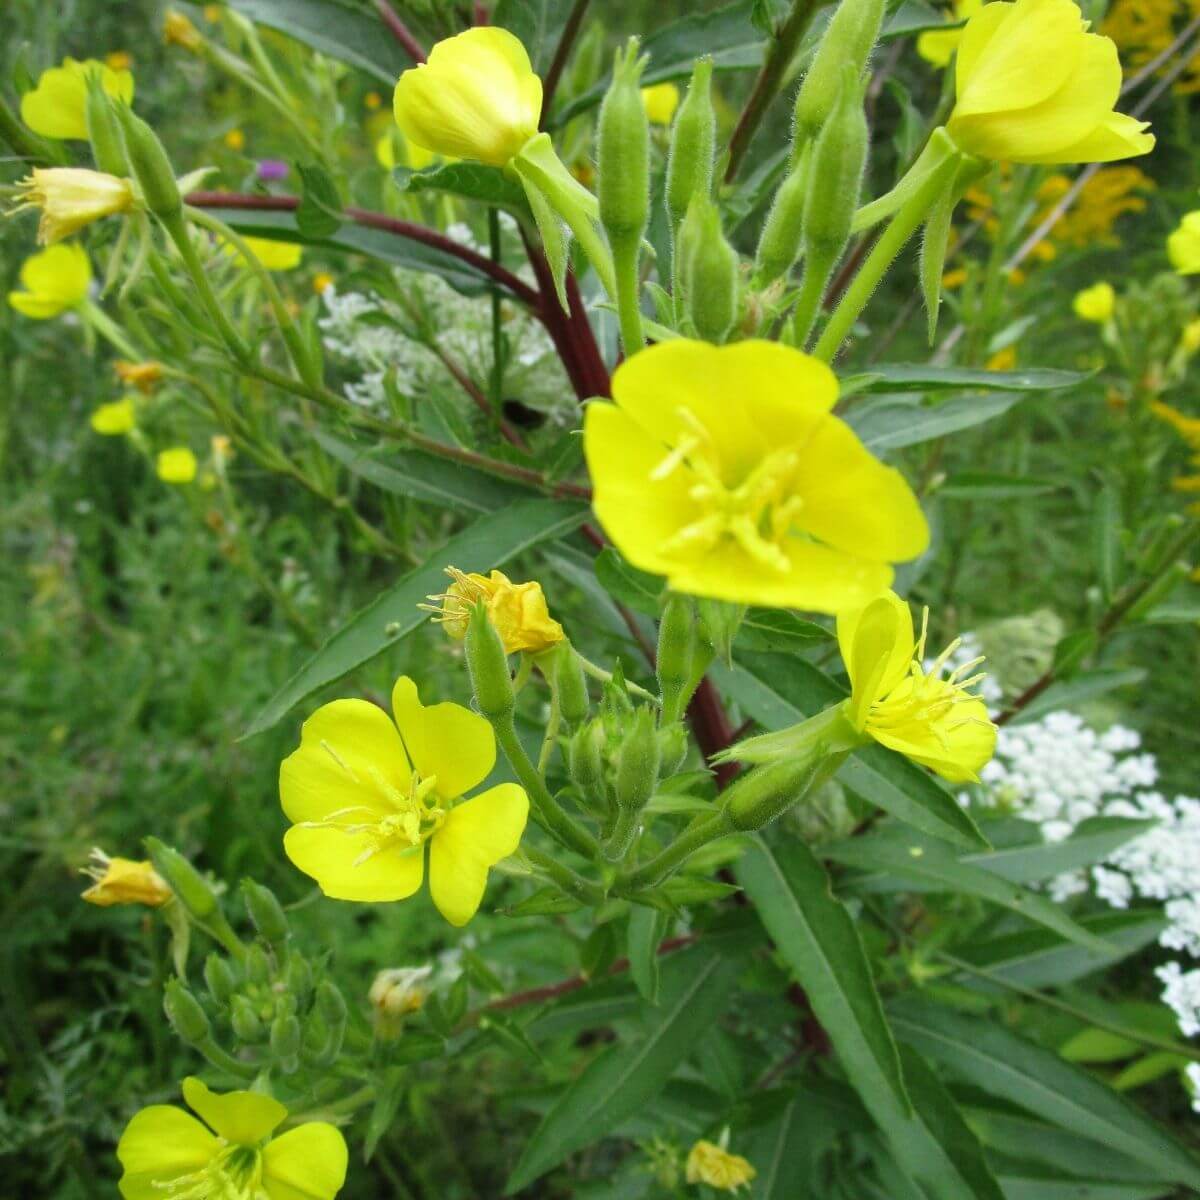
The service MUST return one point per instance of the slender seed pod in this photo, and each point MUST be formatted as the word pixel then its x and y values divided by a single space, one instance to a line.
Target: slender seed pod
pixel 710 272
pixel 151 167
pixel 783 232
pixel 488 666
pixel 767 792
pixel 676 644
pixel 693 139
pixel 623 143
pixel 183 1010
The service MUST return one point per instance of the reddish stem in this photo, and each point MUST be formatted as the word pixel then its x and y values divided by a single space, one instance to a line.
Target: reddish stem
pixel 561 53
pixel 400 31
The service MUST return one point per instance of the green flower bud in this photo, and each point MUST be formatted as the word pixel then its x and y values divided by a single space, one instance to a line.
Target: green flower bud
pixel 637 763
pixel 571 686
pixel 104 130
pixel 285 1037
pixel 298 976
pixel 710 271
pixel 265 911
pixel 588 59
pixel 330 1002
pixel 676 650
pixel 219 978
pixel 615 705
pixel 183 1010
pixel 835 178
pixel 672 748
pixel 623 143
pixel 758 797
pixel 247 1026
pixel 258 966
pixel 783 233
pixel 151 167
pixel 585 760
pixel 488 665
pixel 184 880
pixel 693 138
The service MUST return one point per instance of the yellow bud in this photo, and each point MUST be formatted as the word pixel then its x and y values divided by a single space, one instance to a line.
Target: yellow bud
pixel 212 13
pixel 1002 360
pixel 179 31
pixel 222 448
pixel 72 197
pixel 118 60
pixel 517 610
pixel 114 419
pixel 123 881
pixel 372 100
pixel 714 1165
pixel 142 375
pixel 235 140
pixel 1095 303
pixel 176 465
pixel 321 281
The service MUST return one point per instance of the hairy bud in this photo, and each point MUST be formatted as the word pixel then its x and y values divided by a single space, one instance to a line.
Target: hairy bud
pixel 693 138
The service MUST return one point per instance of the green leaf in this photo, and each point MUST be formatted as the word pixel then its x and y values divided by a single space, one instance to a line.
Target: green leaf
pixel 785 1152
pixel 913 16
pixel 342 31
pixel 544 902
pixel 646 929
pixel 489 542
pixel 991 485
pixel 891 422
pixel 933 256
pixel 780 630
pixel 928 377
pixel 1002 1064
pixel 1070 693
pixel 1106 540
pixel 1094 1045
pixel 636 589
pixel 320 212
pixel 538 23
pixel 471 181
pixel 696 985
pixel 1149 1068
pixel 556 242
pixel 1020 1184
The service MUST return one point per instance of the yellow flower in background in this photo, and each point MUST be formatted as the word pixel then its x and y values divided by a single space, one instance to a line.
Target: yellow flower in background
pixel 1095 303
pixel 934 721
pixel 235 140
pixel 1187 427
pixel 477 97
pixel 179 31
pixel 1183 245
pixel 517 610
pixel 167 1153
pixel 321 281
pixel 415 157
pixel 398 991
pixel 274 255
pixel 366 793
pixel 954 279
pixel 57 107
pixel 114 419
pixel 176 465
pixel 123 881
pixel 722 468
pixel 1002 360
pixel 937 46
pixel 54 281
pixel 713 1165
pixel 660 100
pixel 1034 86
pixel 212 13
pixel 372 101
pixel 144 376
pixel 72 197
pixel 118 60
pixel 1190 338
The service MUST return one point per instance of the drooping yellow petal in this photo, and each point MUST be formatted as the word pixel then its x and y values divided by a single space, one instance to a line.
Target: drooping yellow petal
pixel 351 866
pixel 57 106
pixel 877 645
pixel 160 1144
pixel 1117 136
pixel 244 1118
pixel 55 280
pixel 955 746
pixel 306 1163
pixel 446 740
pixel 476 835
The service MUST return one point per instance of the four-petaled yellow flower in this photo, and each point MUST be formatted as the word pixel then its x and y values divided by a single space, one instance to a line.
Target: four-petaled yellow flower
pixel 57 107
pixel 365 795
pixel 517 610
pixel 723 468
pixel 661 100
pixel 176 465
pixel 895 701
pixel 477 97
pixel 123 881
pixel 54 281
pixel 712 1164
pixel 1183 245
pixel 937 46
pixel 169 1155
pixel 72 197
pixel 1095 303
pixel 1035 87
pixel 114 418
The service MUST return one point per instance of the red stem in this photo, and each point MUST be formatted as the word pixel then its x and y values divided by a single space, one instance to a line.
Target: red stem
pixel 400 31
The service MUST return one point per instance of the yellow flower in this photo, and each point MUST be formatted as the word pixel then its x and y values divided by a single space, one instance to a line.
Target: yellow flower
pixel 714 1165
pixel 723 468
pixel 1034 86
pixel 398 991
pixel 937 46
pixel 123 881
pixel 1187 427
pixel 176 465
pixel 477 97
pixel 116 418
pixel 1095 303
pixel 1183 246
pixel 321 281
pixel 57 107
pixel 954 278
pixel 179 31
pixel 166 1153
pixel 934 721
pixel 365 795
pixel 212 13
pixel 235 140
pixel 142 375
pixel 1190 338
pixel 372 100
pixel 415 157
pixel 275 256
pixel 72 197
pixel 54 281
pixel 118 60
pixel 661 100
pixel 1002 360
pixel 517 610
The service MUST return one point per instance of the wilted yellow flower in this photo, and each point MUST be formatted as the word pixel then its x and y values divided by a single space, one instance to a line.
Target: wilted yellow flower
pixel 57 107
pixel 1035 87
pixel 712 1164
pixel 54 281
pixel 398 991
pixel 517 610
pixel 235 140
pixel 123 881
pixel 176 465
pixel 118 60
pixel 365 794
pixel 937 46
pixel 72 197
pixel 1095 303
pixel 274 255
pixel 723 468
pixel 477 97
pixel 166 1152
pixel 934 721
pixel 142 375
pixel 1002 360
pixel 179 31
pixel 660 100
pixel 115 418
pixel 1183 245
pixel 321 281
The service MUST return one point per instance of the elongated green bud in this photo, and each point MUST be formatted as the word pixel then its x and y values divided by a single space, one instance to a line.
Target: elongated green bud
pixel 637 763
pixel 258 966
pixel 265 911
pixel 849 37
pixel 672 748
pixel 693 139
pixel 588 59
pixel 783 233
pixel 488 666
pixel 331 1005
pixel 710 272
pixel 104 130
pixel 585 759
pixel 285 1038
pixel 623 142
pixel 571 686
pixel 246 1023
pixel 298 976
pixel 183 1010
pixel 219 979
pixel 151 167
pixel 185 881
pixel 835 179
pixel 676 643
pixel 767 792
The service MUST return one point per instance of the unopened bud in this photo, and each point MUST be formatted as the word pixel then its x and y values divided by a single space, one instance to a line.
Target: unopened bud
pixel 623 140
pixel 183 1010
pixel 183 879
pixel 331 1003
pixel 637 763
pixel 298 976
pixel 710 271
pixel 219 979
pixel 783 233
pixel 488 666
pixel 258 966
pixel 151 167
pixel 104 131
pixel 676 645
pixel 571 686
pixel 246 1023
pixel 585 759
pixel 672 749
pixel 285 1037
pixel 693 137
pixel 835 177
pixel 265 911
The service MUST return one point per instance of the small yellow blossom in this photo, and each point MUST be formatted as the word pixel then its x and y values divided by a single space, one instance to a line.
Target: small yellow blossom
pixel 166 1152
pixel 57 107
pixel 712 1164
pixel 178 30
pixel 954 278
pixel 144 376
pixel 372 100
pixel 221 447
pixel 272 254
pixel 118 60
pixel 723 468
pixel 477 97
pixel 72 197
pixel 176 465
pixel 398 991
pixel 933 720
pixel 123 881
pixel 517 610
pixel 1190 338
pixel 1033 86
pixel 1187 427
pixel 53 282
pixel 1183 245
pixel 365 794
pixel 414 157
pixel 1095 303
pixel 115 418
pixel 937 46
pixel 660 101
pixel 321 281
pixel 234 140
pixel 1002 360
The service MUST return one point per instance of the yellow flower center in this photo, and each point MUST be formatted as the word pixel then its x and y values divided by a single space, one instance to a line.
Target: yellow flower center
pixel 234 1174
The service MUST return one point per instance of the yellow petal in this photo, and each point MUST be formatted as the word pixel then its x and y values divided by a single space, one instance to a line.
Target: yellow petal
pixel 955 747
pixel 1117 136
pixel 476 835
pixel 161 1143
pixel 39 308
pixel 55 280
pixel 306 1163
pixel 349 756
pixel 446 740
pixel 660 101
pixel 346 866
pixel 877 646
pixel 244 1118
pixel 114 418
pixel 57 106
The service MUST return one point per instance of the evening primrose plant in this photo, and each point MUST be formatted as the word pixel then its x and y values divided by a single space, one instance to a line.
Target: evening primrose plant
pixel 641 694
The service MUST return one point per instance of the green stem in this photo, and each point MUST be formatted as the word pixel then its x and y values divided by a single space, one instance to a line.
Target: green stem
pixel 696 835
pixel 598 672
pixel 108 329
pixel 552 728
pixel 224 1061
pixel 570 882
pixel 817 270
pixel 626 252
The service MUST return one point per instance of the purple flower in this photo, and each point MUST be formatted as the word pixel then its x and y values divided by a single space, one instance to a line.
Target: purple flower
pixel 271 170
